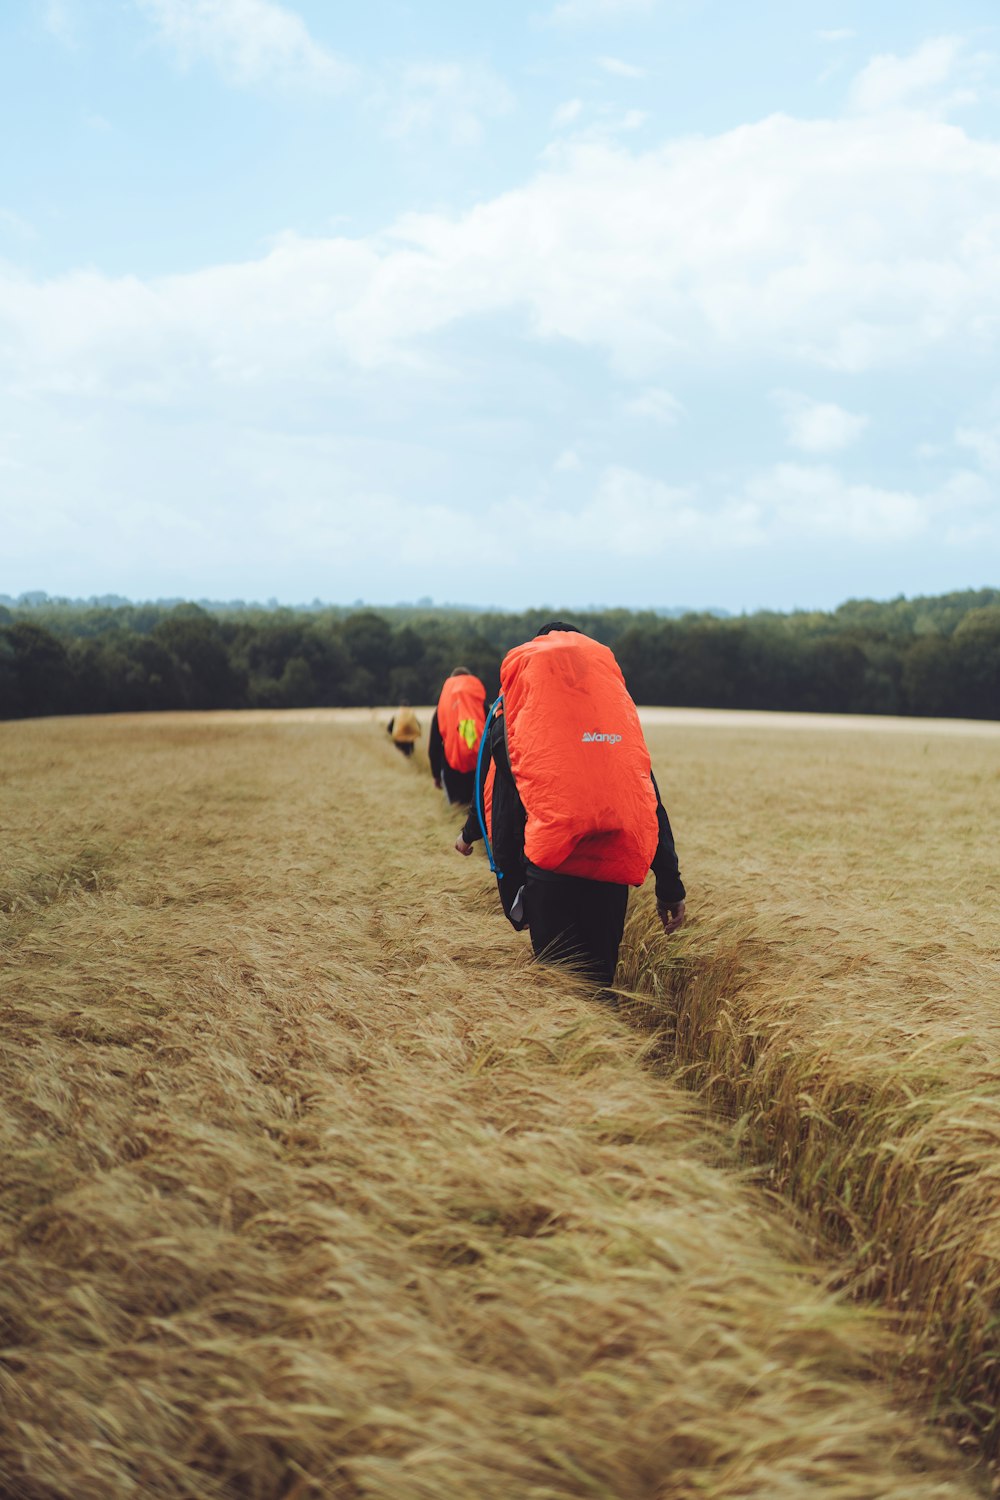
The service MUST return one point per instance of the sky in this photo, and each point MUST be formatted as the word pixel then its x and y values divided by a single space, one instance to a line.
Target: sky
pixel 651 303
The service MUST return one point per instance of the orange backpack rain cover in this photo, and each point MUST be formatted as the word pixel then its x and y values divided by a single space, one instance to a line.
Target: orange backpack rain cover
pixel 461 717
pixel 579 760
pixel 491 772
pixel 489 780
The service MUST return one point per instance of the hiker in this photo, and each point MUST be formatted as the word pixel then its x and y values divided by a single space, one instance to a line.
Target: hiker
pixel 404 726
pixel 454 739
pixel 566 795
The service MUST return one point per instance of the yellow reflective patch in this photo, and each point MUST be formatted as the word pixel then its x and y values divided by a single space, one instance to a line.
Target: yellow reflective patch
pixel 467 732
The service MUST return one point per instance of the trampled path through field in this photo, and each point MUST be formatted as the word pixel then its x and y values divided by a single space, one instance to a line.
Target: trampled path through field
pixel 317 1186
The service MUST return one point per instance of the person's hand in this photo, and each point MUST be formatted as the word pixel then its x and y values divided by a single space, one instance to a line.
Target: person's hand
pixel 671 914
pixel 437 782
pixel 462 846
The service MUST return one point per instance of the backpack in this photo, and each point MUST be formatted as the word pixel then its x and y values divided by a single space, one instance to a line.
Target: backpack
pixel 405 727
pixel 579 760
pixel 461 716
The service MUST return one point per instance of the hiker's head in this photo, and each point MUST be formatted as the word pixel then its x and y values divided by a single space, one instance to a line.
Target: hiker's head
pixel 460 672
pixel 404 702
pixel 557 625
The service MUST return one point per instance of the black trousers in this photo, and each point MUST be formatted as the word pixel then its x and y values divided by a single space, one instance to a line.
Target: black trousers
pixel 405 747
pixel 459 785
pixel 578 922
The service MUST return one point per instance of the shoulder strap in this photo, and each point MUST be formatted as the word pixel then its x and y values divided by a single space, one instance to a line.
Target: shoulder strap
pixel 479 785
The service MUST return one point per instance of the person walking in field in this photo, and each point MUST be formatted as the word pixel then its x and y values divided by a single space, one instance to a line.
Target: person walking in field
pixel 568 804
pixel 404 726
pixel 456 728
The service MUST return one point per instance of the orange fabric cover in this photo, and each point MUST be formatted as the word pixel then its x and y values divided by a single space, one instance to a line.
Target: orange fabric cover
pixel 461 717
pixel 488 780
pixel 579 760
pixel 491 771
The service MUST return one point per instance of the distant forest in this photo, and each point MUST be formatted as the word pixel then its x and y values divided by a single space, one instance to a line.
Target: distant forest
pixel 927 656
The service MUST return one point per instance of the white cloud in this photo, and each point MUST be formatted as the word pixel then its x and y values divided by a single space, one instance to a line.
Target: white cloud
pixel 816 500
pixel 584 12
pixel 628 516
pixel 633 119
pixel 636 515
pixel 59 21
pixel 984 442
pixel 109 503
pixel 566 113
pixel 249 41
pixel 798 503
pixel 968 509
pixel 657 405
pixel 621 69
pixel 454 98
pixel 891 82
pixel 632 515
pixel 818 426
pixel 853 244
pixel 17 226
pixel 706 265
pixel 604 122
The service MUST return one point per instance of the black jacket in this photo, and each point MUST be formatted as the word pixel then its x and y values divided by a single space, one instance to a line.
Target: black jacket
pixel 508 831
pixel 435 749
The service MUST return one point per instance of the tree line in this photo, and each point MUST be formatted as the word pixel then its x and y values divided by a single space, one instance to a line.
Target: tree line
pixel 937 656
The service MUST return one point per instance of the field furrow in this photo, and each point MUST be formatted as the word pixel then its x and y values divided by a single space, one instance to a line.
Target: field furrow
pixel 838 1000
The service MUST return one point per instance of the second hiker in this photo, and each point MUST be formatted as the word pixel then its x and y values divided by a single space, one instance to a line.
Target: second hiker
pixel 455 733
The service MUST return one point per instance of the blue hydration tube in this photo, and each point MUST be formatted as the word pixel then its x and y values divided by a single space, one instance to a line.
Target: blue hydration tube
pixel 479 788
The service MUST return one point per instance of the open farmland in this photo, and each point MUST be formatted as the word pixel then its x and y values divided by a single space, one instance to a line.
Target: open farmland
pixel 314 1185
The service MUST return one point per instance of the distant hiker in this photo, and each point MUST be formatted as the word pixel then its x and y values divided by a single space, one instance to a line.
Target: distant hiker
pixel 567 797
pixel 404 726
pixel 455 731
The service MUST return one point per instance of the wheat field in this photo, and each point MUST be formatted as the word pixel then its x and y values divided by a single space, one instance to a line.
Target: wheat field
pixel 315 1185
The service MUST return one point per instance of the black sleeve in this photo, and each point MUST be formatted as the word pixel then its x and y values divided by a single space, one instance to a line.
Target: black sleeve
pixel 435 748
pixel 669 885
pixel 473 829
pixel 494 746
pixel 508 821
pixel 388 727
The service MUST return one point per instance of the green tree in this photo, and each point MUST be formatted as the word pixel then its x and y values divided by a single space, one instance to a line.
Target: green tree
pixel 977 646
pixel 42 667
pixel 194 640
pixel 10 683
pixel 297 686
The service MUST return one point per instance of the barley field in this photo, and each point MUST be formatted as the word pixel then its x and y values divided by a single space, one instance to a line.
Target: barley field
pixel 315 1185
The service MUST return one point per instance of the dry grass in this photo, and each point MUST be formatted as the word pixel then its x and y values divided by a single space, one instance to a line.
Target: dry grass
pixel 315 1187
pixel 837 998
